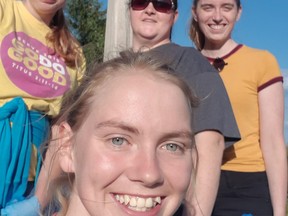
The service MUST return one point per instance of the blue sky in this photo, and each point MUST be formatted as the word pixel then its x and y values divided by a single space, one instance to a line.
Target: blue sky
pixel 263 25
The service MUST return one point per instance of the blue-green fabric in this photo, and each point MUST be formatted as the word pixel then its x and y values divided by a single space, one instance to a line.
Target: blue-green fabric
pixel 27 207
pixel 19 128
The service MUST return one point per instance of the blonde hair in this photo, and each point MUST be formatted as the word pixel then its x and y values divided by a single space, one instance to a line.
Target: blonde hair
pixel 76 104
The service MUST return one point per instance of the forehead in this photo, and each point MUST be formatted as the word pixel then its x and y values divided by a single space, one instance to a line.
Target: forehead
pixel 138 90
pixel 141 80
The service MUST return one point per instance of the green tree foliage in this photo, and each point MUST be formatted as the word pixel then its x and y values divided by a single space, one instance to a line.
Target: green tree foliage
pixel 87 20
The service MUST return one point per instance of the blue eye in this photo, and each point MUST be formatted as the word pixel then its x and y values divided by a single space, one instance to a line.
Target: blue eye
pixel 117 140
pixel 172 147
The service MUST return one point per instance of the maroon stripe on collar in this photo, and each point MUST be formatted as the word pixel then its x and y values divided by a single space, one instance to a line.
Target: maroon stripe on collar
pixel 227 55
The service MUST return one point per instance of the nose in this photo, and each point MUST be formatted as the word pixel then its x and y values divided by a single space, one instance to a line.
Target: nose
pixel 217 16
pixel 150 8
pixel 146 169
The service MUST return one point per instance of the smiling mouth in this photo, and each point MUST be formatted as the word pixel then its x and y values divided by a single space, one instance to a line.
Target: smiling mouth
pixel 149 20
pixel 138 203
pixel 217 26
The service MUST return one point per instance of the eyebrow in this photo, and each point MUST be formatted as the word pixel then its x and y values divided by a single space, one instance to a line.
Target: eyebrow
pixel 206 4
pixel 178 134
pixel 116 124
pixel 229 4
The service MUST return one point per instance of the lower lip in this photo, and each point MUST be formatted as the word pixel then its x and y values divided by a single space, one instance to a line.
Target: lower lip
pixel 152 212
pixel 149 20
pixel 49 1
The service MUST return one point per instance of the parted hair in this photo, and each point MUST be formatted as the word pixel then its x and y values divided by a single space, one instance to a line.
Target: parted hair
pixel 76 103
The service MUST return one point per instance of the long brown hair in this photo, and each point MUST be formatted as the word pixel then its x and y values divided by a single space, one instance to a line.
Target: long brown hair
pixel 63 42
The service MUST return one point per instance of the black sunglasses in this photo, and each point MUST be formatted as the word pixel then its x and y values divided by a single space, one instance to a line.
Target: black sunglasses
pixel 162 6
pixel 219 64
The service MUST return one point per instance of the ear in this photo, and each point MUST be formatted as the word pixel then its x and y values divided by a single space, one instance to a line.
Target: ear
pixel 175 16
pixel 65 153
pixel 239 13
pixel 194 15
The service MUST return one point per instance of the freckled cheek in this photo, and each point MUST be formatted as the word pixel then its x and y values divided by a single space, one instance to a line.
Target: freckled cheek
pixel 95 174
pixel 101 168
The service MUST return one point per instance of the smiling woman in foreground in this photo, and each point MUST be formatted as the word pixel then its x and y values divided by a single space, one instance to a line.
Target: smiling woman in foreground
pixel 125 141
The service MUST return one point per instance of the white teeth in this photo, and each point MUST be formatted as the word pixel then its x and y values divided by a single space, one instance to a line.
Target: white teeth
pixel 126 198
pixel 138 203
pixel 122 199
pixel 158 200
pixel 216 27
pixel 149 203
pixel 133 202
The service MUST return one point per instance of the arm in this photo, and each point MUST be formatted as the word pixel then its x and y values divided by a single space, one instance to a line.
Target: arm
pixel 271 108
pixel 210 147
pixel 50 170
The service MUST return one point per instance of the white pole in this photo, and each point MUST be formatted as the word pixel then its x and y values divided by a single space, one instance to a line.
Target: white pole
pixel 118 35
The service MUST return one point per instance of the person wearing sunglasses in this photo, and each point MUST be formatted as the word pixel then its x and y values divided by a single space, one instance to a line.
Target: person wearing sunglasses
pixel 214 123
pixel 254 171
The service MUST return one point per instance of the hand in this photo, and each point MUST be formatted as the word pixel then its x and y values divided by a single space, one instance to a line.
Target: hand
pixel 27 207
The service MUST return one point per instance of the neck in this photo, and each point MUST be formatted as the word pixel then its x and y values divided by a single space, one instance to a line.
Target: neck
pixel 43 18
pixel 147 44
pixel 213 50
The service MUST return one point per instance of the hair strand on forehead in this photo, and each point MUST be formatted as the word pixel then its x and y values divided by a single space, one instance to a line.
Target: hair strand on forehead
pixel 98 74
